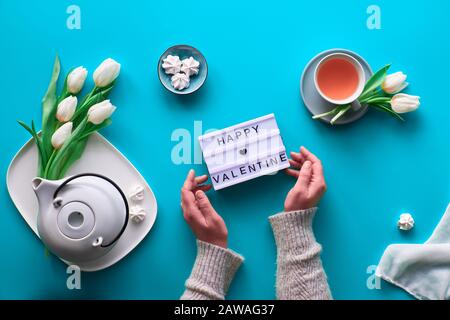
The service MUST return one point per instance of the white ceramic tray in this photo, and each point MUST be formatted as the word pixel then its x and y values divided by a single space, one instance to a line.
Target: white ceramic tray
pixel 99 157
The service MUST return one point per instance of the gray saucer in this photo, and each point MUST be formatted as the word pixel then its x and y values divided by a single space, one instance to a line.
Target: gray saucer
pixel 311 97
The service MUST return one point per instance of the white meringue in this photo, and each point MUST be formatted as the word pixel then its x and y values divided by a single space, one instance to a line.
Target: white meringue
pixel 190 66
pixel 171 64
pixel 137 214
pixel 406 222
pixel 180 81
pixel 137 194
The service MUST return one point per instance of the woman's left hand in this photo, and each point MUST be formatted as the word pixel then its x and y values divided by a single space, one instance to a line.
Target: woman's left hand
pixel 198 212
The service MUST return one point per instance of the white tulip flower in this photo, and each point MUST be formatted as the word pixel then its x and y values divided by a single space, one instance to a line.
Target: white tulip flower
pixel 66 109
pixel 61 134
pixel 100 112
pixel 106 72
pixel 75 79
pixel 402 103
pixel 394 83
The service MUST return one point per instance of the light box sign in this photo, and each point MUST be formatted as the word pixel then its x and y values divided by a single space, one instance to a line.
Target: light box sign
pixel 244 151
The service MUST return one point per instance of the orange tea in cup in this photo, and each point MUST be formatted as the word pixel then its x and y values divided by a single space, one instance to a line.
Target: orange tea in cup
pixel 339 78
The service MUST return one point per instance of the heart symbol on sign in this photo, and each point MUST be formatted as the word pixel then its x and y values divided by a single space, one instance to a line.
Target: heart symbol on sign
pixel 243 151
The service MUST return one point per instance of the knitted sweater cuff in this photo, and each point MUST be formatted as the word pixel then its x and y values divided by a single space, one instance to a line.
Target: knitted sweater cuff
pixel 293 230
pixel 213 270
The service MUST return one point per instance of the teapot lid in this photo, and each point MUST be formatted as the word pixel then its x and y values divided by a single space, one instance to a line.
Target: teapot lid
pixel 86 210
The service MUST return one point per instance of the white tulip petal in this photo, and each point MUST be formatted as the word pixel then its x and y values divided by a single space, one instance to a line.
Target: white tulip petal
pixel 66 109
pixel 394 83
pixel 402 103
pixel 61 134
pixel 75 80
pixel 106 72
pixel 100 112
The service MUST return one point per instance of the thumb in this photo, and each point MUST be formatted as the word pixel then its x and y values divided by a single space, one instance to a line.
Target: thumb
pixel 305 174
pixel 203 204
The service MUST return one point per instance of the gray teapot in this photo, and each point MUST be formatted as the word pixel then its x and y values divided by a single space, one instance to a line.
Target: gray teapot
pixel 80 217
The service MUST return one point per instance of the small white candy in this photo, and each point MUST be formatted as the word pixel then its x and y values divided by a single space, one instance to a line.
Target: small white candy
pixel 137 214
pixel 180 81
pixel 137 194
pixel 172 64
pixel 190 66
pixel 406 222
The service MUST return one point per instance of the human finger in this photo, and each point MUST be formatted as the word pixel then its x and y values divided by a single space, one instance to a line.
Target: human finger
pixel 308 155
pixel 191 212
pixel 201 179
pixel 189 182
pixel 295 164
pixel 304 175
pixel 204 205
pixel 187 199
pixel 316 163
pixel 203 187
pixel 297 157
pixel 292 173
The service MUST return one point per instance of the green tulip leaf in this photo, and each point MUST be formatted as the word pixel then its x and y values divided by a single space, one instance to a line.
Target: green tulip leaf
pixel 49 104
pixel 93 128
pixel 97 95
pixel 58 161
pixel 374 82
pixel 64 92
pixel 76 148
pixel 76 151
pixel 53 164
pixel 387 109
pixel 38 143
pixel 379 100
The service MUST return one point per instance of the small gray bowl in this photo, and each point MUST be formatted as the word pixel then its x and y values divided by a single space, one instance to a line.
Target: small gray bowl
pixel 184 51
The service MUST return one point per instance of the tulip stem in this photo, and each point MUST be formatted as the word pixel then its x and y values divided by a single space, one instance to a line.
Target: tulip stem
pixel 367 98
pixel 49 163
pixel 329 113
pixel 378 100
pixel 53 172
pixel 342 110
pixel 338 112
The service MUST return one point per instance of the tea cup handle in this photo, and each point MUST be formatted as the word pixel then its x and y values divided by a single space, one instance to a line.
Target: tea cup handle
pixel 356 105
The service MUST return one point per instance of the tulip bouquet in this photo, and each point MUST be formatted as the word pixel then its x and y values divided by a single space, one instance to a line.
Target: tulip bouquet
pixel 67 124
pixel 381 92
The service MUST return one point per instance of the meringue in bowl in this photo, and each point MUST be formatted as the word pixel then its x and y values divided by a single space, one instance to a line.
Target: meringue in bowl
pixel 193 65
pixel 196 69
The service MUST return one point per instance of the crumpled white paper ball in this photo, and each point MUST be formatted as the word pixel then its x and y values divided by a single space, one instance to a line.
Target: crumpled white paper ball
pixel 405 222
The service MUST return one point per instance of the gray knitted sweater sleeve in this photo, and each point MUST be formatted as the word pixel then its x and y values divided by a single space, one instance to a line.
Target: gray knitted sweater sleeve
pixel 214 268
pixel 299 270
pixel 300 275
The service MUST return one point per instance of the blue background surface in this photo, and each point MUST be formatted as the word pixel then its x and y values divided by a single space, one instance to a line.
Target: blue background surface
pixel 376 168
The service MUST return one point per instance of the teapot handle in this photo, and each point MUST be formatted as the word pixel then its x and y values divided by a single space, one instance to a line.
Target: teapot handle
pixel 127 213
pixel 98 242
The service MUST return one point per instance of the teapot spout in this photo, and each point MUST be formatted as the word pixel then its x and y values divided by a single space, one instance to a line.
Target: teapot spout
pixel 44 189
pixel 36 182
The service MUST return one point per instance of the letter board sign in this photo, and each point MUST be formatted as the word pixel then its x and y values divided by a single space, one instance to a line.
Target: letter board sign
pixel 244 151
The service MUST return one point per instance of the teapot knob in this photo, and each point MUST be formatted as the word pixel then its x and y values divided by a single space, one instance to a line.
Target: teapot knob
pixel 57 202
pixel 97 242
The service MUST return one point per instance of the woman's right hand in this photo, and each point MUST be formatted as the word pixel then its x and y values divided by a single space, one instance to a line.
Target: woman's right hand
pixel 310 185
